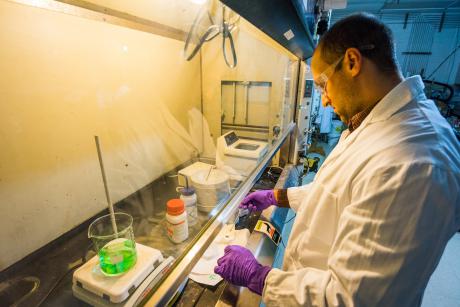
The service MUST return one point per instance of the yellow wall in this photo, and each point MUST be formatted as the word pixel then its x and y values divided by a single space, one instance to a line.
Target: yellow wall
pixel 63 80
pixel 179 14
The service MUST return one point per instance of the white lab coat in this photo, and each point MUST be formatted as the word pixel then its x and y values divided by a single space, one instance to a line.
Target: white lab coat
pixel 371 227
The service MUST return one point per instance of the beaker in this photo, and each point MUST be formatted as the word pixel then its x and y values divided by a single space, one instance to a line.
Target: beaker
pixel 116 250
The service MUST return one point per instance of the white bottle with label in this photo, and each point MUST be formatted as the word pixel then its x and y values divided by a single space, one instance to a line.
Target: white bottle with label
pixel 176 221
pixel 188 196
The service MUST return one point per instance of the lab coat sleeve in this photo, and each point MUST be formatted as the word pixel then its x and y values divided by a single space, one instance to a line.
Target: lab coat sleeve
pixel 390 236
pixel 296 195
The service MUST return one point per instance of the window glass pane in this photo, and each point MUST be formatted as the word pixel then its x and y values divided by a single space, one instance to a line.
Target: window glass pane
pixel 116 70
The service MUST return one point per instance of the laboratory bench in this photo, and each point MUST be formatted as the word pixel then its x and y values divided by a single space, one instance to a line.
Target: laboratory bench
pixel 195 294
pixel 53 265
pixel 266 252
pixel 47 274
pixel 44 278
pixel 155 112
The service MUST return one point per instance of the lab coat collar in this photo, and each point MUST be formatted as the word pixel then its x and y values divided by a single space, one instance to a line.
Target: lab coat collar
pixel 401 95
pixel 397 98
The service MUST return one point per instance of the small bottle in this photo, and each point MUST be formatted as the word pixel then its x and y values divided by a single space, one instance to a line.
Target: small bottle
pixel 188 196
pixel 176 220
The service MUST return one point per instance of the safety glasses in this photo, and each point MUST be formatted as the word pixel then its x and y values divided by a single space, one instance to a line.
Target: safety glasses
pixel 321 82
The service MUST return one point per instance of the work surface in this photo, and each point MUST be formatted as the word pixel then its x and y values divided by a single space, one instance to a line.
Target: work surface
pixel 52 267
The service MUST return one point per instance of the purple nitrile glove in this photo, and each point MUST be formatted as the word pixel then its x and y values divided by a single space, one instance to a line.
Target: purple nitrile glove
pixel 239 266
pixel 259 200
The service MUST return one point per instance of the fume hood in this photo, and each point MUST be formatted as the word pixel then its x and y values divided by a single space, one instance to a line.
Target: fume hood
pixel 116 69
pixel 289 22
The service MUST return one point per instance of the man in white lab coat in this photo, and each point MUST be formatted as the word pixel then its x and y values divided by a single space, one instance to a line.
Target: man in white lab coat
pixel 372 226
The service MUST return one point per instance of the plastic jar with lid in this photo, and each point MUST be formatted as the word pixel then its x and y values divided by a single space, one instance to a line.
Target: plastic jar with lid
pixel 176 221
pixel 188 196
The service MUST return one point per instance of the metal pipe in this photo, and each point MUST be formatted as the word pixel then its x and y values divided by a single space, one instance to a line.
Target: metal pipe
pixel 441 23
pixel 106 187
pixel 81 8
pixel 234 102
pixel 406 18
pixel 247 103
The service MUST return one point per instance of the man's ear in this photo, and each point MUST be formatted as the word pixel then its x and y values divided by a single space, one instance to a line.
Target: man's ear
pixel 353 61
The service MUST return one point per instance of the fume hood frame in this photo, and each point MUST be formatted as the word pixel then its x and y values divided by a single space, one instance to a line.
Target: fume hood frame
pixel 288 22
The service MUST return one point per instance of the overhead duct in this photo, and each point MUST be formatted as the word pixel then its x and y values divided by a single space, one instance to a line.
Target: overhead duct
pixel 289 22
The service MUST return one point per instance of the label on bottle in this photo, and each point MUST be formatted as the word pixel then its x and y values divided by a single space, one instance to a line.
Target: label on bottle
pixel 177 232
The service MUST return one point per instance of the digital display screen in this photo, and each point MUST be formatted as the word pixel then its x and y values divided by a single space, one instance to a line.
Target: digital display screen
pixel 231 138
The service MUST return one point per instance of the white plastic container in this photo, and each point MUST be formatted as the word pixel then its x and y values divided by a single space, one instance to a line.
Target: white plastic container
pixel 188 196
pixel 185 174
pixel 212 187
pixel 176 221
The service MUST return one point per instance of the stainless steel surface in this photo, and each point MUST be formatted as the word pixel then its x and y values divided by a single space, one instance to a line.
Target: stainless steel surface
pixel 150 282
pixel 247 85
pixel 252 83
pixel 302 123
pixel 92 11
pixel 294 142
pixel 179 273
pixel 264 250
pixel 263 129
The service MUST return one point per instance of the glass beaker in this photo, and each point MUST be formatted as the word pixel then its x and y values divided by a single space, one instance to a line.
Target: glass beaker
pixel 117 251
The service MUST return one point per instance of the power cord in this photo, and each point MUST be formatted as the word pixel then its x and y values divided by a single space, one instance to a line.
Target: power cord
pixel 295 214
pixel 63 276
pixel 282 242
pixel 58 282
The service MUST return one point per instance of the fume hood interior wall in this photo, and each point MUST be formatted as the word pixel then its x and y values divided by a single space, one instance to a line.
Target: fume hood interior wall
pixel 65 79
pixel 259 59
pixel 178 14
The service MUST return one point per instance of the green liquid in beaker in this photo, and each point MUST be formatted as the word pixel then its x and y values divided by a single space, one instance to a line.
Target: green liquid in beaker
pixel 117 256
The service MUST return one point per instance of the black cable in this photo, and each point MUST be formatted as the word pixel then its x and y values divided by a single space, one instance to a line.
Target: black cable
pixel 63 276
pixel 290 219
pixel 58 282
pixel 282 242
pixel 442 63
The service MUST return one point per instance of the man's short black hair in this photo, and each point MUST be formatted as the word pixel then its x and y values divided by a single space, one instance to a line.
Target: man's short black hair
pixel 364 32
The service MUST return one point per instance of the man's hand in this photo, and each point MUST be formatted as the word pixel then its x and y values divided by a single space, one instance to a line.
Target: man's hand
pixel 239 267
pixel 259 200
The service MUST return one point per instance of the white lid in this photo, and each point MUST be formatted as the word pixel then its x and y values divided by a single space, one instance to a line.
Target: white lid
pixel 216 177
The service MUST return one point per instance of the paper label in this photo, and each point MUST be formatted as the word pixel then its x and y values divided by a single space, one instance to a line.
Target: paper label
pixel 268 229
pixel 289 34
